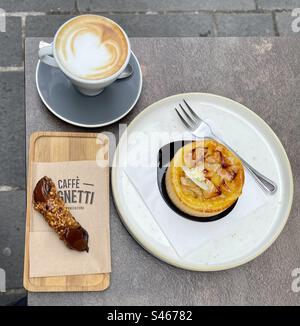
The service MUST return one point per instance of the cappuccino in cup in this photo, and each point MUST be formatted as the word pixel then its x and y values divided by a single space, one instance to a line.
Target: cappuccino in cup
pixel 91 47
pixel 91 50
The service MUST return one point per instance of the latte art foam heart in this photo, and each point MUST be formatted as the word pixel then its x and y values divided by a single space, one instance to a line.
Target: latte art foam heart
pixel 91 47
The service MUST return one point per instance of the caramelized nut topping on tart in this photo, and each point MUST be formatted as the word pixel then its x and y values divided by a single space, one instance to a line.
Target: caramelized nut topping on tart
pixel 204 178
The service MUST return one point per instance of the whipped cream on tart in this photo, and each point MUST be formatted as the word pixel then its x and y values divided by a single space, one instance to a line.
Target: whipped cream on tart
pixel 204 178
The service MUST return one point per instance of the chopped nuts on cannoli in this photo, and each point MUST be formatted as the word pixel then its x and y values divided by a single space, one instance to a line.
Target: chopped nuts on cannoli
pixel 58 216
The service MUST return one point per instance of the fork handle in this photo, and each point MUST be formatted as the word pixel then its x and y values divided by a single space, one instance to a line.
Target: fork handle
pixel 266 184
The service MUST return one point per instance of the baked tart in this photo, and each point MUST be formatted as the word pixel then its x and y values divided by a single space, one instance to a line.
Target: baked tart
pixel 204 178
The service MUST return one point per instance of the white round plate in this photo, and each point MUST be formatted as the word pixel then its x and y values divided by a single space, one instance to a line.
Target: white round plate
pixel 253 139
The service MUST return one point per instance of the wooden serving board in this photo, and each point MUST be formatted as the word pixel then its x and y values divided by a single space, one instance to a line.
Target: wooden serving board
pixel 56 147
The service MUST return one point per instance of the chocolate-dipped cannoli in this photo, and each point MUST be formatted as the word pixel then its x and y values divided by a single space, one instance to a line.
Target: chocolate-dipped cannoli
pixel 58 216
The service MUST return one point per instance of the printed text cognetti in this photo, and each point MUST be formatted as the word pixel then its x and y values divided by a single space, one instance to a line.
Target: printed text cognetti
pixel 69 190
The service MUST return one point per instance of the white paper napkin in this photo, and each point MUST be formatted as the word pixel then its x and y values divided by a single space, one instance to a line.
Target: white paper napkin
pixel 186 235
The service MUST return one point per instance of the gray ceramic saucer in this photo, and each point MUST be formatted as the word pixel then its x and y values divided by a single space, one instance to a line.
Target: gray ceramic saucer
pixel 61 98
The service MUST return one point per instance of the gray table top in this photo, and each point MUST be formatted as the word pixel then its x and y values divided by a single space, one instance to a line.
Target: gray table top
pixel 261 73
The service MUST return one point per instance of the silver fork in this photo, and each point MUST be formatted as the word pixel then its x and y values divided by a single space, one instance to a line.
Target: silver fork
pixel 192 121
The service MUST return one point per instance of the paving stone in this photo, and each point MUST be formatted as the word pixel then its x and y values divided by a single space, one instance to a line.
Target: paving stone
pixel 44 25
pixel 12 231
pixel 165 5
pixel 278 4
pixel 10 298
pixel 37 5
pixel 166 25
pixel 284 24
pixel 12 130
pixel 245 24
pixel 135 25
pixel 11 53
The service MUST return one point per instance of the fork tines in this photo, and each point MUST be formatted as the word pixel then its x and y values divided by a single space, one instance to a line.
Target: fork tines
pixel 188 117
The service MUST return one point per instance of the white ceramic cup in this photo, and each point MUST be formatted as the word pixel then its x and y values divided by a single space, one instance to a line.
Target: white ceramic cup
pixel 92 87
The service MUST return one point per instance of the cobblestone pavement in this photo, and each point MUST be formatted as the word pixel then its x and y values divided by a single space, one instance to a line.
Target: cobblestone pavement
pixel 199 18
